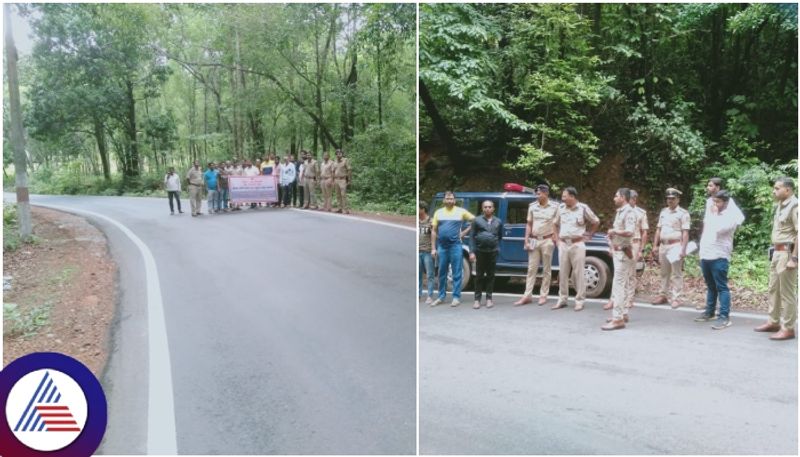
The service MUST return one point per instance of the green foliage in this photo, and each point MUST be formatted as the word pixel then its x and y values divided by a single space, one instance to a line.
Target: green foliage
pixel 11 238
pixel 384 172
pixel 24 323
pixel 150 86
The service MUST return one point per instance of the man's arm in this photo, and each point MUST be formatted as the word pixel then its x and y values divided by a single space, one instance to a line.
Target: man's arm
pixel 528 231
pixel 474 227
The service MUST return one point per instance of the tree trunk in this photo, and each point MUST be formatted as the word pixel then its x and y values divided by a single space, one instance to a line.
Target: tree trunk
pixel 100 137
pixel 380 89
pixel 17 133
pixel 440 127
pixel 131 131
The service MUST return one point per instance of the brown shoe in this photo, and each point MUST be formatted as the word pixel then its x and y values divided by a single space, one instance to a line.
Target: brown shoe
pixel 662 300
pixel 767 327
pixel 676 304
pixel 559 306
pixel 524 300
pixel 624 318
pixel 542 300
pixel 614 325
pixel 579 307
pixel 608 305
pixel 784 334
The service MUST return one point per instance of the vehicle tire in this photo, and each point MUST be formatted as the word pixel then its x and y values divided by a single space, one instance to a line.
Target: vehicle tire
pixel 598 277
pixel 466 275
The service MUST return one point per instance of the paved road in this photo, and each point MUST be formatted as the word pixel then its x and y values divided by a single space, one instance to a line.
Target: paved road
pixel 529 380
pixel 289 331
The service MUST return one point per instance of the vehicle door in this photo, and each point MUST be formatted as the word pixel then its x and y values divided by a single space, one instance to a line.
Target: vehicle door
pixel 512 247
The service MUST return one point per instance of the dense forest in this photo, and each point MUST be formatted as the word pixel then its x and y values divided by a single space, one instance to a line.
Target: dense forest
pixel 605 95
pixel 115 93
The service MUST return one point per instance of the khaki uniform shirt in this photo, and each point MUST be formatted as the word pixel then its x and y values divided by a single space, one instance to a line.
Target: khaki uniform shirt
pixel 326 170
pixel 641 223
pixel 310 169
pixel 543 218
pixel 672 223
pixel 784 224
pixel 341 169
pixel 572 221
pixel 625 221
pixel 195 176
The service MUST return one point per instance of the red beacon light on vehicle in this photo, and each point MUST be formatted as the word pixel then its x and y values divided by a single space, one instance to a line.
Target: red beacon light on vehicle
pixel 514 187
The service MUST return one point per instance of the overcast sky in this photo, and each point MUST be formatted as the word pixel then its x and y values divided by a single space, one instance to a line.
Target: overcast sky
pixel 21 31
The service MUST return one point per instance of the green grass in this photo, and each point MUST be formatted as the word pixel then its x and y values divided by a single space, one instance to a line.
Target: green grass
pixel 747 269
pixel 25 323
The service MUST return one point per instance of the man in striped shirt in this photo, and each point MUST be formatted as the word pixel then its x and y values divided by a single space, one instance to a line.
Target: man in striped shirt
pixel 446 235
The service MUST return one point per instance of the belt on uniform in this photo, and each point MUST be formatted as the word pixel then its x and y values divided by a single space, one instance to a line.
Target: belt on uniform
pixel 670 241
pixel 783 246
pixel 197 185
pixel 542 237
pixel 573 239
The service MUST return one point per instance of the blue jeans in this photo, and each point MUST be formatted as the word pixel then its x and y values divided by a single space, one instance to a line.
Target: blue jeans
pixel 212 200
pixel 222 199
pixel 715 272
pixel 426 265
pixel 450 256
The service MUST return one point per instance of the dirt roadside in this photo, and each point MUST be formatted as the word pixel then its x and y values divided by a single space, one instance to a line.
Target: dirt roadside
pixel 64 288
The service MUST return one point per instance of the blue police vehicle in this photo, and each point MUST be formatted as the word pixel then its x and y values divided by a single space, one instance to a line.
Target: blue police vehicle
pixel 512 261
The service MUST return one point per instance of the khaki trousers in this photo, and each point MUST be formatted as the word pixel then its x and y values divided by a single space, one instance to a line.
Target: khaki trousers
pixel 571 263
pixel 195 198
pixel 671 273
pixel 634 280
pixel 620 289
pixel 309 188
pixel 341 193
pixel 327 191
pixel 543 252
pixel 782 291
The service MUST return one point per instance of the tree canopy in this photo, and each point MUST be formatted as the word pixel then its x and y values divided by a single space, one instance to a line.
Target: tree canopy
pixel 130 89
pixel 671 94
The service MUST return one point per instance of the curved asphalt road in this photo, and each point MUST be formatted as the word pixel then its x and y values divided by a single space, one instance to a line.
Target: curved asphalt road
pixel 290 332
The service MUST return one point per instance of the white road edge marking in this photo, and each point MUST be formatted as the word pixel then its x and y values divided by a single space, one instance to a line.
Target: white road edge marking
pixel 161 435
pixel 684 308
pixel 362 219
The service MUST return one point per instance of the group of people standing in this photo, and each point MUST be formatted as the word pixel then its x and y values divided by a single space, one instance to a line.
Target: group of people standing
pixel 298 181
pixel 571 223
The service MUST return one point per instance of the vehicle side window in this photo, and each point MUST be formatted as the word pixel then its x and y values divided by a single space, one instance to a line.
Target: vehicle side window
pixel 517 212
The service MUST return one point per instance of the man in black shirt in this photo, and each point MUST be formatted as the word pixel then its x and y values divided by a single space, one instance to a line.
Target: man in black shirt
pixel 485 236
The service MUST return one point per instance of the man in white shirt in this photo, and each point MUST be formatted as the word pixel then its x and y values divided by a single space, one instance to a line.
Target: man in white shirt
pixel 713 186
pixel 172 183
pixel 287 177
pixel 716 245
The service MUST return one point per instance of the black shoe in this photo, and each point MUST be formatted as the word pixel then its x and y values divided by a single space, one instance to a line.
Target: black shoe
pixel 704 318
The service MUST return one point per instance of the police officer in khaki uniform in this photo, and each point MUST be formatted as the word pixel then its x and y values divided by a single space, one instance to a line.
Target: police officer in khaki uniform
pixel 310 173
pixel 638 243
pixel 326 175
pixel 783 268
pixel 341 175
pixel 620 238
pixel 672 232
pixel 540 241
pixel 195 178
pixel 573 217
